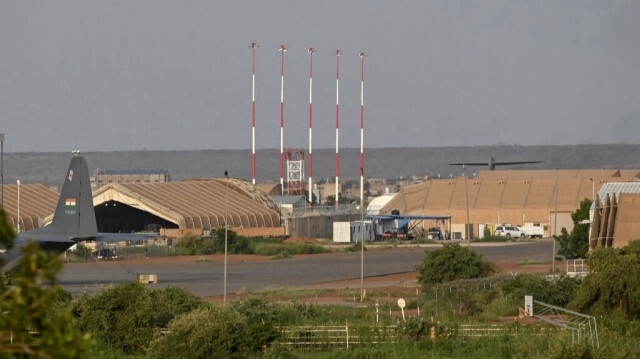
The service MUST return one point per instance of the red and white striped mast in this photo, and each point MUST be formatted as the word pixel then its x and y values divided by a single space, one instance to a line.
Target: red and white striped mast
pixel 311 51
pixel 253 113
pixel 282 50
pixel 362 56
pixel 338 54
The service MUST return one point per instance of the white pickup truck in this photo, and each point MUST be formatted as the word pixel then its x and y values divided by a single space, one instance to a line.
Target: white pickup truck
pixel 533 231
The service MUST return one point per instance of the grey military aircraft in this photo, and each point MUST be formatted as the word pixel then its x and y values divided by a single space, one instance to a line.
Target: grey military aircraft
pixel 74 220
pixel 492 163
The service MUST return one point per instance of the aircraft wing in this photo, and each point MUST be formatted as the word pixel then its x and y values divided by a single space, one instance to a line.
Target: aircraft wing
pixel 468 164
pixel 514 162
pixel 124 237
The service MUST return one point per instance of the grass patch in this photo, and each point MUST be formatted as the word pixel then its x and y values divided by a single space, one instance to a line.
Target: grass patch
pixel 273 249
pixel 282 255
pixel 356 247
pixel 423 240
pixel 529 262
pixel 492 239
pixel 202 260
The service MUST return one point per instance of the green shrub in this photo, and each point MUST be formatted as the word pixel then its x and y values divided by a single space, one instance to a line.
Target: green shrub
pixel 492 238
pixel 260 317
pixel 235 244
pixel 35 304
pixel 452 262
pixel 215 332
pixel 272 249
pixel 559 291
pixel 196 245
pixel 612 283
pixel 279 351
pixel 81 251
pixel 356 247
pixel 128 316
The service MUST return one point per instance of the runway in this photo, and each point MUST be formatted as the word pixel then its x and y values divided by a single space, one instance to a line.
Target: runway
pixel 203 275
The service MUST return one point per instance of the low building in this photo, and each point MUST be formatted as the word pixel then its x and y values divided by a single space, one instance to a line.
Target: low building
pixel 543 198
pixel 104 177
pixel 615 215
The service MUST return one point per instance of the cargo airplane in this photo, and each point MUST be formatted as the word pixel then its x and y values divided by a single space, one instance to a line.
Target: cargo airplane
pixel 74 220
pixel 492 163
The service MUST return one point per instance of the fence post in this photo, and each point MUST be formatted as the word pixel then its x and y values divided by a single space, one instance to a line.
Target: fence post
pixel 347 330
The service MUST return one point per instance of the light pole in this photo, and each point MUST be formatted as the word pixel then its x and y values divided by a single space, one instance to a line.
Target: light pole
pixel 2 166
pixel 226 195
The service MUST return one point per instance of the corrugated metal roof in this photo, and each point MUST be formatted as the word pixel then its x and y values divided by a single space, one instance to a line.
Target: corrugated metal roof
pixel 197 203
pixel 131 172
pixel 36 203
pixel 615 188
pixel 374 206
pixel 289 200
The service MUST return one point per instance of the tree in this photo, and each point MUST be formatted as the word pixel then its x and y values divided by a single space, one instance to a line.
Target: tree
pixel 613 282
pixel 331 200
pixel 576 244
pixel 30 308
pixel 452 262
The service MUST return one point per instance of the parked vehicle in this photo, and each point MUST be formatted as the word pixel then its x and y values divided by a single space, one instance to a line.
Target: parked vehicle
pixel 533 231
pixel 434 233
pixel 509 231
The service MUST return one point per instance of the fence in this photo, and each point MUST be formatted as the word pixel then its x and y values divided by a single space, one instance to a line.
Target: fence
pixel 325 337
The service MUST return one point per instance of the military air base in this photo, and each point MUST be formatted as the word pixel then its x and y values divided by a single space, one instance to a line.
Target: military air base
pixel 427 179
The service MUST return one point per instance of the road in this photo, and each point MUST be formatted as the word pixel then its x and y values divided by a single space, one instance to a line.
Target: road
pixel 250 273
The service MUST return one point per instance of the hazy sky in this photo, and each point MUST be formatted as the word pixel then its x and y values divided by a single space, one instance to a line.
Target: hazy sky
pixel 176 75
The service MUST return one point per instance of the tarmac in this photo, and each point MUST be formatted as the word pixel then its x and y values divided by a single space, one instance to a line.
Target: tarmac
pixel 203 275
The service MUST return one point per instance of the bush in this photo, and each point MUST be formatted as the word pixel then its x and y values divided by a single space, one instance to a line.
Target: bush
pixel 261 318
pixel 196 245
pixel 612 283
pixel 216 332
pixel 81 251
pixel 235 244
pixel 34 303
pixel 452 262
pixel 272 249
pixel 558 292
pixel 128 316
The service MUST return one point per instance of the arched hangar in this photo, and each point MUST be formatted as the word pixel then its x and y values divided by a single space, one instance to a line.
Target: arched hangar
pixel 189 206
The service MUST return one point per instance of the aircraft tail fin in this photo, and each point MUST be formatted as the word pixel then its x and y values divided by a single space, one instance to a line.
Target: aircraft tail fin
pixel 74 216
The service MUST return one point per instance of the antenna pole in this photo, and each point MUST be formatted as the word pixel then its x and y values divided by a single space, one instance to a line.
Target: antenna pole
pixel 337 193
pixel 253 112
pixel 311 51
pixel 282 50
pixel 362 56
